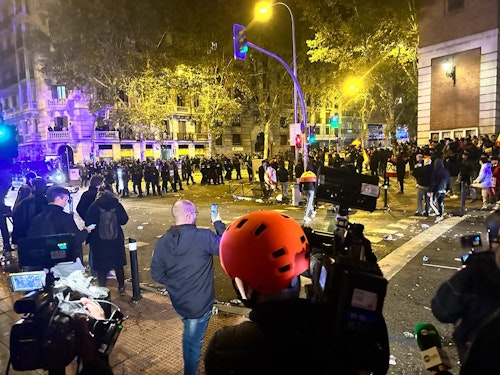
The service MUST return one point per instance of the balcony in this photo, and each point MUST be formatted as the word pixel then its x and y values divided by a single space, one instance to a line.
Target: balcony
pixel 106 135
pixel 185 137
pixel 201 137
pixel 59 136
pixel 31 138
pixel 181 109
pixel 59 103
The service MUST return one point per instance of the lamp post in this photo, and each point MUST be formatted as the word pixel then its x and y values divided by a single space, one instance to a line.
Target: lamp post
pixel 263 11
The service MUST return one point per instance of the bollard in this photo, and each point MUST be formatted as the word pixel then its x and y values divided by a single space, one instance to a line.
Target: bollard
pixel 134 269
pixel 462 196
pixel 385 195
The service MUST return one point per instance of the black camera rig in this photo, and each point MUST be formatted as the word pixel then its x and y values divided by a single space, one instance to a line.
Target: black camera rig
pixel 46 335
pixel 346 278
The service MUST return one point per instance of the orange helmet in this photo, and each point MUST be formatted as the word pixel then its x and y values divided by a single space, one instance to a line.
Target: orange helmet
pixel 266 249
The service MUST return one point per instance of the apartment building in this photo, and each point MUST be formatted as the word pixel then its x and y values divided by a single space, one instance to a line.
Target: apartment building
pixel 54 123
pixel 458 83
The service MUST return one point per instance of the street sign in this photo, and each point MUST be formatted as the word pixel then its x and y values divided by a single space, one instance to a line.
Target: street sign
pixel 294 131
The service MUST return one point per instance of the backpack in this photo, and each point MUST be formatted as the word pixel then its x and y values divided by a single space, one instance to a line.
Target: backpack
pixel 108 224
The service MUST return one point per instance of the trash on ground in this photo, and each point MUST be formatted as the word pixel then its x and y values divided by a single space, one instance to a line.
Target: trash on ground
pixel 408 335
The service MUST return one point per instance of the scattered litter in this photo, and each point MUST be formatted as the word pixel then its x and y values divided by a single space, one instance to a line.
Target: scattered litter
pixel 425 258
pixel 408 335
pixel 140 227
pixel 438 249
pixel 399 234
pixel 145 223
pixel 425 226
pixel 388 237
pixel 259 200
pixel 392 360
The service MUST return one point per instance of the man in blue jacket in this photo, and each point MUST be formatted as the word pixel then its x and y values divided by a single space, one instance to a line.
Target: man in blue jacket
pixel 183 262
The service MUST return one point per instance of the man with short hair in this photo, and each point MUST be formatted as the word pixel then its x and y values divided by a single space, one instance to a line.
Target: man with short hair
pixel 53 219
pixel 183 262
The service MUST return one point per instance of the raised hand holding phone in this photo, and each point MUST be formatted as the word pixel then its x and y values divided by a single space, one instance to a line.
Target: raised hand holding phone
pixel 214 212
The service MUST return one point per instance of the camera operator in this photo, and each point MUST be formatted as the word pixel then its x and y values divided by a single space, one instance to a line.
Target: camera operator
pixel 53 219
pixel 286 334
pixel 282 326
pixel 471 296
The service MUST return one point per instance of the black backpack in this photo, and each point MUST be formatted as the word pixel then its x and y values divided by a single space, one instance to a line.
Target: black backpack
pixel 108 224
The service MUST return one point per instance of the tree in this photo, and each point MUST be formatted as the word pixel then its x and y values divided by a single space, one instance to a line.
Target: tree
pixel 373 40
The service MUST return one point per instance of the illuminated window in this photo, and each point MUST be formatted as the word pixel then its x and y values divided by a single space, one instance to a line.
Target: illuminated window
pixel 59 92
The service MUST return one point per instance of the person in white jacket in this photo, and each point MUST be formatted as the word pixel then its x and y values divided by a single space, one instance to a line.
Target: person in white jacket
pixel 483 181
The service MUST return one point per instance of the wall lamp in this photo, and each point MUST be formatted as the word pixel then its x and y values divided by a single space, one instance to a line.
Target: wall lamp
pixel 450 71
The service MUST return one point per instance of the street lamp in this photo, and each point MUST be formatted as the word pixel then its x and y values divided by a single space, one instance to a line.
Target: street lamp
pixel 263 12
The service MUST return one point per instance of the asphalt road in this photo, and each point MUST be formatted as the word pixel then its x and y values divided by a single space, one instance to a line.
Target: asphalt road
pixel 399 239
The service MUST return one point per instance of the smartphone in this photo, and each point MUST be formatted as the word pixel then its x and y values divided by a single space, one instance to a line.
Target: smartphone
pixel 91 226
pixel 214 210
pixel 471 241
pixel 27 281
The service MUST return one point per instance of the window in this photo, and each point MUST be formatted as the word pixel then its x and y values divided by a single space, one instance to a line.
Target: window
pixel 218 140
pixel 236 121
pixel 59 92
pixel 196 102
pixel 454 5
pixel 237 139
pixel 180 101
pixel 284 140
pixel 60 123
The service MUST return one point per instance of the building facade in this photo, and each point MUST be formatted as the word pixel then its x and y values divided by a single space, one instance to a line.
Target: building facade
pixel 458 83
pixel 54 123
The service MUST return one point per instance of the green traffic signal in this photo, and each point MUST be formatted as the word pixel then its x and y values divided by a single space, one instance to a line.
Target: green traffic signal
pixel 239 42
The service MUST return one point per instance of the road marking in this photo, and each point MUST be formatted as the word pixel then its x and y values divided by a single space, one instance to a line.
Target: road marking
pixel 396 260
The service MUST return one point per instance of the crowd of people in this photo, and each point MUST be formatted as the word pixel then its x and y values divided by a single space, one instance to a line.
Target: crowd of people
pixel 267 280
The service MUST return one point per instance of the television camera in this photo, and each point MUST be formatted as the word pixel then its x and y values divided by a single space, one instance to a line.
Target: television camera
pixel 346 277
pixel 46 335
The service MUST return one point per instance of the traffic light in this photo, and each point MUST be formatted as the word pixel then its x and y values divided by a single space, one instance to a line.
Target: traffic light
pixel 312 134
pixel 334 121
pixel 8 142
pixel 239 42
pixel 298 140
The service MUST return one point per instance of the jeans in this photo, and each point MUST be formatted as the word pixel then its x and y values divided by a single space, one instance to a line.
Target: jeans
pixel 192 340
pixel 310 202
pixel 284 189
pixel 421 195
